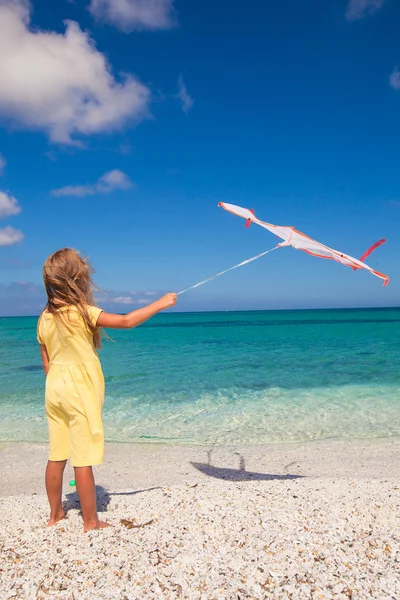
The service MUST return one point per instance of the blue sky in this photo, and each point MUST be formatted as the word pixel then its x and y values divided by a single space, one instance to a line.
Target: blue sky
pixel 123 123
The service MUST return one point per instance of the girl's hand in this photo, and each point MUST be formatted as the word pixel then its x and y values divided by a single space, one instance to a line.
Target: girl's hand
pixel 167 301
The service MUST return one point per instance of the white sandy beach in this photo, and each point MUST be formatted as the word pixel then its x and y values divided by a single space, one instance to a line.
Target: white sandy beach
pixel 316 520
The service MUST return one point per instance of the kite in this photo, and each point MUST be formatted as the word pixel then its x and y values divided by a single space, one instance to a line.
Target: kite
pixel 299 241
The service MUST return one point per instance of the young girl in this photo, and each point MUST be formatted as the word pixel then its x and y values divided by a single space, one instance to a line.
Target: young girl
pixel 68 334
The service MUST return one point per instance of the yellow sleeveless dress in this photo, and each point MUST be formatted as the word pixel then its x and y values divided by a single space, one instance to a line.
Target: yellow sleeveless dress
pixel 74 389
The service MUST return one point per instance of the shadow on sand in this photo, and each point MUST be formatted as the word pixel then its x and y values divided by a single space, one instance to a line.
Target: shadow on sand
pixel 228 474
pixel 103 498
pixel 239 474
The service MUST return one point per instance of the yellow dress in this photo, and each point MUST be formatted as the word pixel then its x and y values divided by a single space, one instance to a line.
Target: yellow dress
pixel 74 389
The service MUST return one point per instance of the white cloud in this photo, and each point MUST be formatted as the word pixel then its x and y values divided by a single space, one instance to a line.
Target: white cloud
pixel 128 15
pixel 183 96
pixel 121 300
pixel 112 180
pixel 10 236
pixel 24 297
pixel 2 164
pixel 358 9
pixel 395 79
pixel 8 206
pixel 113 298
pixel 61 83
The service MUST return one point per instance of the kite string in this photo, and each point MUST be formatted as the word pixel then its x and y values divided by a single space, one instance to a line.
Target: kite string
pixel 245 262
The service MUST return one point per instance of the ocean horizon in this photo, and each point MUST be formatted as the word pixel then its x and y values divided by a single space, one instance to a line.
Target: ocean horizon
pixel 239 310
pixel 232 377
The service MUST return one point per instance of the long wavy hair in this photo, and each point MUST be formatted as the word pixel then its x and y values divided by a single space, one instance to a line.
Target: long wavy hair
pixel 68 281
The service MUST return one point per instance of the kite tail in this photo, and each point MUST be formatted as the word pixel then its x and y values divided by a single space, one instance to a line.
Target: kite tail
pixel 245 262
pixel 370 250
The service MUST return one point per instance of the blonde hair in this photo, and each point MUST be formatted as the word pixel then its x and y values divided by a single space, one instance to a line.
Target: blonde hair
pixel 68 281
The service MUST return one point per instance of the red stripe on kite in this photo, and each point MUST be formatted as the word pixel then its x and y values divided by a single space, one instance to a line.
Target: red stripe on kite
pixel 370 250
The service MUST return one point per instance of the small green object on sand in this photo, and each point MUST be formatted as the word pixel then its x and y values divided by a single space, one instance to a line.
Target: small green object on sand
pixel 72 483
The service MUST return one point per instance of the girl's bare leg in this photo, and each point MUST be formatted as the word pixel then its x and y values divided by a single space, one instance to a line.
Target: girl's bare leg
pixel 87 496
pixel 54 478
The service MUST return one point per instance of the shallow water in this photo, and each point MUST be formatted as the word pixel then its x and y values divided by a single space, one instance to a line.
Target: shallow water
pixel 243 377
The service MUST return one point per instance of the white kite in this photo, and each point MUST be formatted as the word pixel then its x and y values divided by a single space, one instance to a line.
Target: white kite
pixel 298 240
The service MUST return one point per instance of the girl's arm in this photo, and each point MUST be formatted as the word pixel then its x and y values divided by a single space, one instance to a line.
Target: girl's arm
pixel 45 358
pixel 136 317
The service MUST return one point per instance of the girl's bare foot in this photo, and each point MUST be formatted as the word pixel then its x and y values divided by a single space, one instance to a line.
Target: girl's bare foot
pixel 96 525
pixel 57 517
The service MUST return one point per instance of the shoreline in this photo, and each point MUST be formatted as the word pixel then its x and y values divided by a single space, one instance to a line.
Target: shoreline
pixel 129 466
pixel 145 441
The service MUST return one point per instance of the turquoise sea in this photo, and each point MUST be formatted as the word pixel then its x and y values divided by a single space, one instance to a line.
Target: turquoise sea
pixel 221 378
